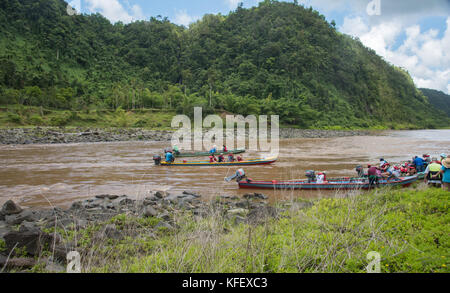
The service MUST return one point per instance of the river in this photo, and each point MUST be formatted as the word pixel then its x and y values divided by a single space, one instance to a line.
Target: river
pixel 56 175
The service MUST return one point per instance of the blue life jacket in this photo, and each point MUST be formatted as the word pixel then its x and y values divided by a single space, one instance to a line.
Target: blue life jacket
pixel 169 157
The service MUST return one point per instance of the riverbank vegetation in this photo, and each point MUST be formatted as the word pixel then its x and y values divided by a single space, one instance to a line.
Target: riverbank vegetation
pixel 409 228
pixel 17 116
pixel 277 58
pixel 30 116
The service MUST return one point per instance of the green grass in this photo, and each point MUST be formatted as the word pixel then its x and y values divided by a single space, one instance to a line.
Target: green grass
pixel 29 116
pixel 409 228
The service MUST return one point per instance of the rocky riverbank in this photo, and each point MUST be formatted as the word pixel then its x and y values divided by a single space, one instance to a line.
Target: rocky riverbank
pixel 41 239
pixel 51 135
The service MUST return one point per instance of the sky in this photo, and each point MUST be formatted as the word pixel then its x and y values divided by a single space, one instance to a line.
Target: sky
pixel 412 34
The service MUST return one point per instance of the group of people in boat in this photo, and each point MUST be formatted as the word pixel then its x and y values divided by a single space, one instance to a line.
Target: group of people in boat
pixel 170 158
pixel 435 171
pixel 221 158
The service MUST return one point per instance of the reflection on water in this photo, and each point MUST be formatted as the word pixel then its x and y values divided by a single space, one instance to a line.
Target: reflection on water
pixel 35 175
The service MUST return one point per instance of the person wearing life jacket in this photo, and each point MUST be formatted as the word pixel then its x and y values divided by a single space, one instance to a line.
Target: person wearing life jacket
pixel 385 167
pixel 169 157
pixel 224 149
pixel 213 150
pixel 432 172
pixel 382 162
pixel 411 169
pixel 176 150
pixel 231 158
pixel 221 158
pixel 419 163
pixel 239 158
pixel 212 158
pixel 320 178
pixel 445 171
pixel 443 156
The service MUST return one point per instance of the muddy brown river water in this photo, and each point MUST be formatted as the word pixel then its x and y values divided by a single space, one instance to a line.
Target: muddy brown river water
pixel 45 175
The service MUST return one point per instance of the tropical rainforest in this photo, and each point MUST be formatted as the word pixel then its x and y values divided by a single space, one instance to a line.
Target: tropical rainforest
pixel 277 58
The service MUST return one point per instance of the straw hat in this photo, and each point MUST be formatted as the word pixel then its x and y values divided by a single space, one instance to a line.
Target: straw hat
pixel 446 163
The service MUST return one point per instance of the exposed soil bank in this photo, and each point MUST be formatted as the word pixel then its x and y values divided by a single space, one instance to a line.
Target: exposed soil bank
pixel 51 135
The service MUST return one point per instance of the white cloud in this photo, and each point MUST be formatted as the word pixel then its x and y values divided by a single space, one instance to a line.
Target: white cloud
pixel 115 11
pixel 183 18
pixel 422 53
pixel 233 3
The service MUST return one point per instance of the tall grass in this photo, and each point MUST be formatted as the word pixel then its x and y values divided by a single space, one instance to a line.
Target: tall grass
pixel 410 229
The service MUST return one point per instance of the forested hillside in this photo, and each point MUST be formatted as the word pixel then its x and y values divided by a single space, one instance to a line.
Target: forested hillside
pixel 438 99
pixel 277 58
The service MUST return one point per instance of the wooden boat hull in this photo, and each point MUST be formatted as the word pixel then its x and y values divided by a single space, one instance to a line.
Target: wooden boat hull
pixel 203 154
pixel 217 164
pixel 332 184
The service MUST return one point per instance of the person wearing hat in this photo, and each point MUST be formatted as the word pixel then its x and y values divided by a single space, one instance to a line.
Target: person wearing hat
pixel 445 171
pixel 443 156
pixel 221 158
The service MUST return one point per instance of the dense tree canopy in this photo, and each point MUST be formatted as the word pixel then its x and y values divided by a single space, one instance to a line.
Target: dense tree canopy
pixel 277 58
pixel 438 99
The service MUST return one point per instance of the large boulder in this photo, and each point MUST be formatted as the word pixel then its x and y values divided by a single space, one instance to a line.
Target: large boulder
pixel 10 208
pixel 27 215
pixel 150 212
pixel 33 240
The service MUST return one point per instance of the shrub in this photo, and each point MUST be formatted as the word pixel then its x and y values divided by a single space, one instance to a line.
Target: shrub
pixel 15 118
pixel 36 120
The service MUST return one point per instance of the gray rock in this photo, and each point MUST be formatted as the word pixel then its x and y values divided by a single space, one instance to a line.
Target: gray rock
pixel 17 262
pixel 238 220
pixel 261 213
pixel 191 193
pixel 11 208
pixel 111 231
pixel 165 216
pixel 239 211
pixel 32 239
pixel 161 194
pixel 2 216
pixel 16 219
pixel 163 224
pixel 126 201
pixel 243 204
pixel 54 267
pixel 255 196
pixel 3 229
pixel 150 212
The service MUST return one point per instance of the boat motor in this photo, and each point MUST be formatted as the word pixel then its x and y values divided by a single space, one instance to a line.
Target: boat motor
pixel 311 175
pixel 157 160
pixel 239 175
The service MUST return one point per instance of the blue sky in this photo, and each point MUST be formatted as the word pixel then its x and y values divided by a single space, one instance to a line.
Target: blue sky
pixel 412 34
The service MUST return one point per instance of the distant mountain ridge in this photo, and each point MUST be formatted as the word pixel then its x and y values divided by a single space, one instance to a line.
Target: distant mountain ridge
pixel 438 99
pixel 277 58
